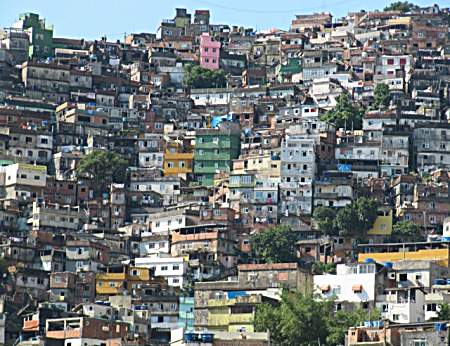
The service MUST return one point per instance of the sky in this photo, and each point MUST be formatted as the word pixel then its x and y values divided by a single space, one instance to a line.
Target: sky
pixel 91 19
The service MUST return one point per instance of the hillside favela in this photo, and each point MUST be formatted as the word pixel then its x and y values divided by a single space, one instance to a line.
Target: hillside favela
pixel 210 184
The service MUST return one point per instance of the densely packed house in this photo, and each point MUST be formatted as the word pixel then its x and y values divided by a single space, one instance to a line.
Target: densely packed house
pixel 135 175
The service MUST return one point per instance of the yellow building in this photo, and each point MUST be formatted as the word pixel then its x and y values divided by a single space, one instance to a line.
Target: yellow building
pixel 263 164
pixel 232 315
pixel 112 283
pixel 440 255
pixel 178 161
pixel 382 225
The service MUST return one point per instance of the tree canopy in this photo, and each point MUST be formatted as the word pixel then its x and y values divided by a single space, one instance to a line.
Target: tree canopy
pixel 443 313
pixel 325 218
pixel 345 114
pixel 103 167
pixel 197 77
pixel 306 320
pixel 381 96
pixel 402 6
pixel 407 231
pixel 275 245
pixel 355 219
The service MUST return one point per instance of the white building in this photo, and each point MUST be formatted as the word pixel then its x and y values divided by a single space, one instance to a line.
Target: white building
pixel 167 221
pixel 387 65
pixel 354 284
pixel 23 181
pixel 56 217
pixel 154 244
pixel 298 168
pixel 403 304
pixel 172 269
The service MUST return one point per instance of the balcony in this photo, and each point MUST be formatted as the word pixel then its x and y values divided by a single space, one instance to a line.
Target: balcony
pixel 218 319
pixel 214 145
pixel 164 325
pixel 241 318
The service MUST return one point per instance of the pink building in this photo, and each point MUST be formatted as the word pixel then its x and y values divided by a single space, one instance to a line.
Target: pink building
pixel 209 52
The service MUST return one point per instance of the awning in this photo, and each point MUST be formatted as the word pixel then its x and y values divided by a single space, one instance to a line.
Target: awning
pixel 357 288
pixel 325 288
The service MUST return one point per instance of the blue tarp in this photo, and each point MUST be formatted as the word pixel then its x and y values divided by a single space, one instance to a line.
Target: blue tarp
pixel 344 167
pixel 234 294
pixel 216 120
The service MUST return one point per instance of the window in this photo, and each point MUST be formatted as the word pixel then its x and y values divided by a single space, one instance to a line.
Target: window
pixel 164 268
pixel 176 267
pixel 431 307
pixel 403 277
pixel 420 342
pixel 396 317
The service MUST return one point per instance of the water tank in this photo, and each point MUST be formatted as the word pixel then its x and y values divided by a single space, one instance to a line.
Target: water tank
pixel 440 282
pixel 440 327
pixel 369 260
pixel 207 338
pixel 388 265
pixel 188 337
pixel 377 324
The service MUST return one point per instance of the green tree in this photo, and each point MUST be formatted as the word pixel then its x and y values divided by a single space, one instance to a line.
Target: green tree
pixel 407 231
pixel 103 167
pixel 444 312
pixel 275 245
pixel 381 96
pixel 324 217
pixel 307 320
pixel 402 6
pixel 345 114
pixel 339 324
pixel 197 77
pixel 298 320
pixel 367 210
pixel 347 221
pixel 356 218
pixel 319 268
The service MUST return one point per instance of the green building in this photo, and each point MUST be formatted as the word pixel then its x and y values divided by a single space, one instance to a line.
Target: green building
pixel 214 151
pixel 186 313
pixel 41 35
pixel 285 71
